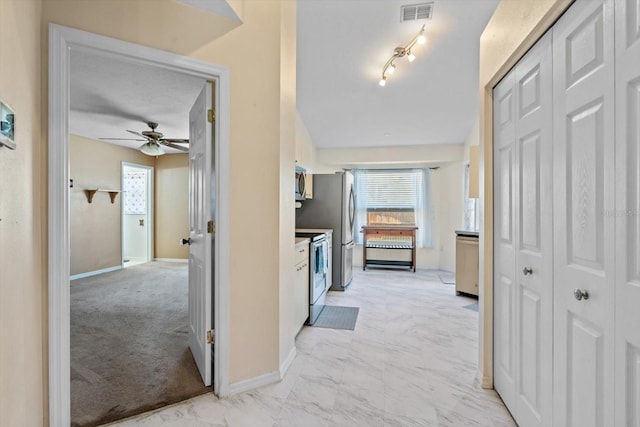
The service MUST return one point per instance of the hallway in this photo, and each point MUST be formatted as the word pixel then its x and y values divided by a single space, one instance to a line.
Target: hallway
pixel 411 361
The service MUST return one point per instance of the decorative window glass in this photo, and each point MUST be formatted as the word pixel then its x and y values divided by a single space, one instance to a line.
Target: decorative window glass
pixel 134 198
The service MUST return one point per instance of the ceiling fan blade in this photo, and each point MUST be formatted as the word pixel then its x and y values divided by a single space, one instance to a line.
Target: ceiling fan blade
pixel 174 140
pixel 121 139
pixel 175 146
pixel 146 138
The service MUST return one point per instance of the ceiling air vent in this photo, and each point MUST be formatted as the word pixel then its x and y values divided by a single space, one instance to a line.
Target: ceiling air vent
pixel 415 12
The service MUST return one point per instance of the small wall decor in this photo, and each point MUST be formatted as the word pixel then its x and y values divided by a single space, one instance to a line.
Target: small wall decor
pixel 7 126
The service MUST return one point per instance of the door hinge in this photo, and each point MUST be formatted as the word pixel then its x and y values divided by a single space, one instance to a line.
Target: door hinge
pixel 211 116
pixel 211 336
pixel 211 227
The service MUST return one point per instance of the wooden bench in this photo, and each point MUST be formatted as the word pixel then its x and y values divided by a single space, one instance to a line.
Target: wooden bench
pixel 392 237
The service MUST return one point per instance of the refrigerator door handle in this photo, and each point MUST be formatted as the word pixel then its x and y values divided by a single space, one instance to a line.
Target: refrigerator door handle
pixel 350 245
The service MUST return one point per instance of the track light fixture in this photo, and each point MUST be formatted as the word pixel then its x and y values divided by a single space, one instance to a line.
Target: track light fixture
pixel 399 52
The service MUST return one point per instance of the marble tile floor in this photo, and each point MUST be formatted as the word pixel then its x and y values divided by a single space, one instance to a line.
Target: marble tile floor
pixel 411 361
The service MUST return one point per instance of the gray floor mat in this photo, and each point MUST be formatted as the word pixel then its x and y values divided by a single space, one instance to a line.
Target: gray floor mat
pixel 338 317
pixel 473 307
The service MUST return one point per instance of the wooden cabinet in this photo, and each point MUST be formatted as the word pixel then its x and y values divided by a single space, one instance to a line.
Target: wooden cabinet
pixel 301 287
pixel 308 187
pixel 467 264
pixel 383 244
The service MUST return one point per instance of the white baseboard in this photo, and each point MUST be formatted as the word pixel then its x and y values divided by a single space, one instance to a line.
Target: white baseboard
pixel 284 367
pixel 255 382
pixel 95 273
pixel 180 260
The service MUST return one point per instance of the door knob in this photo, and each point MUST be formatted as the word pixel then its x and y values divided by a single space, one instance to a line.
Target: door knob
pixel 185 241
pixel 527 270
pixel 580 294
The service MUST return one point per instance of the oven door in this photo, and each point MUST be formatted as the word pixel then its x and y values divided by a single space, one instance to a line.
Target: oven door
pixel 319 271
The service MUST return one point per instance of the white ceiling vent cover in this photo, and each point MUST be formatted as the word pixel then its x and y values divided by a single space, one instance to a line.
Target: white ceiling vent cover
pixel 415 12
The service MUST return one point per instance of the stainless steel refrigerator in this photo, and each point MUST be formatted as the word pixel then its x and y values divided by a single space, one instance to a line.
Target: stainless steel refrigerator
pixel 333 206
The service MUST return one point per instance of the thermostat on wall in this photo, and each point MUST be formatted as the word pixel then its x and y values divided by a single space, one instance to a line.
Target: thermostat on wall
pixel 7 126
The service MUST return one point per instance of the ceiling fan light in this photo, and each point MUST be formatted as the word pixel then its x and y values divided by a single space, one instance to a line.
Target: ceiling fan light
pixel 151 149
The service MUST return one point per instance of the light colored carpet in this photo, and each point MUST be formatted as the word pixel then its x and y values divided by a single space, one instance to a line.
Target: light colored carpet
pixel 129 350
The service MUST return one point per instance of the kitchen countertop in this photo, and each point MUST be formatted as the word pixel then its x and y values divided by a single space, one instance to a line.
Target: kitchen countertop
pixel 314 230
pixel 302 240
pixel 467 233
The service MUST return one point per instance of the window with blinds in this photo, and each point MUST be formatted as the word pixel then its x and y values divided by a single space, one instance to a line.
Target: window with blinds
pixel 394 197
pixel 389 196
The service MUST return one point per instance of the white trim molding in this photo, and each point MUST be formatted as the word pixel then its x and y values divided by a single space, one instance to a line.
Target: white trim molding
pixel 286 364
pixel 62 42
pixel 255 382
pixel 95 272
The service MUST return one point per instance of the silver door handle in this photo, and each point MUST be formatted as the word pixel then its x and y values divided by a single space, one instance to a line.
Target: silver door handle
pixel 350 245
pixel 527 270
pixel 579 294
pixel 185 241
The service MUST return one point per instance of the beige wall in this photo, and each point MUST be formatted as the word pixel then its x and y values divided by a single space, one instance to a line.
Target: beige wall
pixel 330 160
pixel 448 186
pixel 513 29
pixel 94 227
pixel 255 157
pixel 23 301
pixel 305 148
pixel 171 206
pixel 288 115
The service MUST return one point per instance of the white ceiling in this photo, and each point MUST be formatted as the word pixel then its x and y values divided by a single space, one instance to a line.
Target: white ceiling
pixel 109 96
pixel 342 47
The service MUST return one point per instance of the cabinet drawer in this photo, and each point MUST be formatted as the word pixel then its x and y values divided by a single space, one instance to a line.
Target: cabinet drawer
pixel 302 253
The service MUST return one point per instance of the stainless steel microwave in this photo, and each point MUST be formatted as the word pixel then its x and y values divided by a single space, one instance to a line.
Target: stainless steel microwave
pixel 300 183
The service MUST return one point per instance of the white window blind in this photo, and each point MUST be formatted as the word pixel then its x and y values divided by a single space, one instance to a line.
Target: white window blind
pixel 389 189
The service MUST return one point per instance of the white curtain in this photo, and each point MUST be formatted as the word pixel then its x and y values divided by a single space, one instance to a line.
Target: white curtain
pixel 424 210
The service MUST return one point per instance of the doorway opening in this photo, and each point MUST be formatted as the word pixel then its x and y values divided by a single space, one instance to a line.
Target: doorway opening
pixel 137 214
pixel 63 43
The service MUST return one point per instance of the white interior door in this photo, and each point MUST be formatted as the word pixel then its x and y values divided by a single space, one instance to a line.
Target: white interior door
pixel 534 238
pixel 504 239
pixel 627 317
pixel 200 241
pixel 523 237
pixel 583 234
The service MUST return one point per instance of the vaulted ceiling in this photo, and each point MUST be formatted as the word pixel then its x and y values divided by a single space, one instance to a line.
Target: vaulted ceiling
pixel 342 46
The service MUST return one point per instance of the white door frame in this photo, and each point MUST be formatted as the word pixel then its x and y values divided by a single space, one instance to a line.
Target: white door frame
pixel 150 209
pixel 63 40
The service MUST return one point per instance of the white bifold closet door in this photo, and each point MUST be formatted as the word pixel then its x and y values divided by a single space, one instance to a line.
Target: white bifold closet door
pixel 627 214
pixel 523 263
pixel 584 190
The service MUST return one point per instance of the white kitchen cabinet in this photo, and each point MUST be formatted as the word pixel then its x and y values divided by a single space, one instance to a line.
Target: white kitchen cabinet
pixel 301 286
pixel 308 187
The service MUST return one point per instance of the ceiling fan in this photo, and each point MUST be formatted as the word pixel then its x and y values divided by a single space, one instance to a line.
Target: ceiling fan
pixel 153 141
